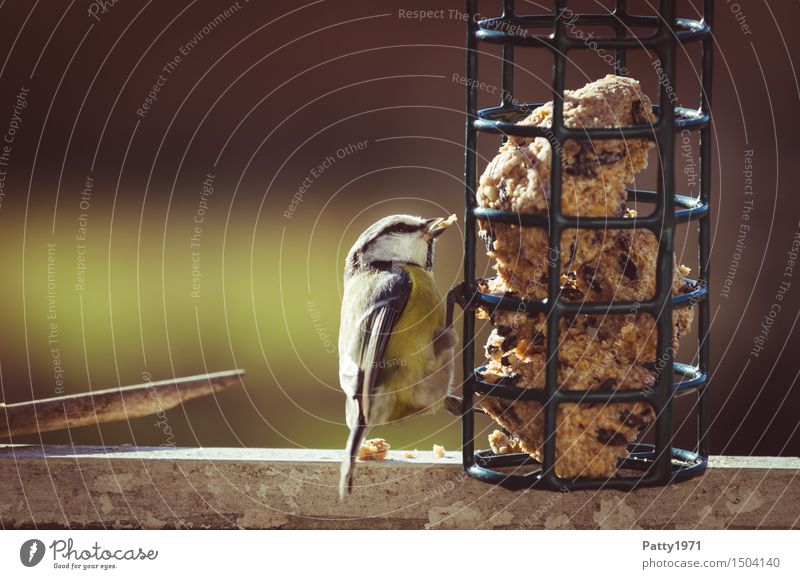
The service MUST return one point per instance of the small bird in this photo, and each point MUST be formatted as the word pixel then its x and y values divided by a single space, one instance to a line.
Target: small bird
pixel 395 348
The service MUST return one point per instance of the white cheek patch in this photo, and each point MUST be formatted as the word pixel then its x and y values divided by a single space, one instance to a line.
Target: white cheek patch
pixel 403 247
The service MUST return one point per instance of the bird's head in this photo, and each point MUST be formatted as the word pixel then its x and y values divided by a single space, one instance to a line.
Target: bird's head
pixel 397 239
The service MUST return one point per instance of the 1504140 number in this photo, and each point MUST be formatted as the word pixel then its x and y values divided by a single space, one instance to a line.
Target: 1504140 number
pixel 757 562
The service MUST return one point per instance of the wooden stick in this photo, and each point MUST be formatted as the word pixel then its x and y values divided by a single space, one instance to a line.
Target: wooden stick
pixel 109 405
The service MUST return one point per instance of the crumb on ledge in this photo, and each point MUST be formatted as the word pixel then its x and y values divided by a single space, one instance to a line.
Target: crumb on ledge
pixel 409 455
pixel 374 449
pixel 502 444
pixel 438 451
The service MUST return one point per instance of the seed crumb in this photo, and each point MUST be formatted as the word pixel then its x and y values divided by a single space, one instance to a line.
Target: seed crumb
pixel 438 451
pixel 374 449
pixel 502 444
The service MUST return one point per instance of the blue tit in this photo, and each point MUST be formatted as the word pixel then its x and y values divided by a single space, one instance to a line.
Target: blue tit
pixel 395 348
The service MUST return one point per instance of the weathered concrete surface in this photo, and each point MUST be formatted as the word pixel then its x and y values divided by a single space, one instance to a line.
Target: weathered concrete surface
pixel 123 487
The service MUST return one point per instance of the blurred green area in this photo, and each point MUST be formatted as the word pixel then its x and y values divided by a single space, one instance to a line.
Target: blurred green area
pixel 267 300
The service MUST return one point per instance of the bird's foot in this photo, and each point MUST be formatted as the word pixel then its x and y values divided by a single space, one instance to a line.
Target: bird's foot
pixel 454 405
pixel 458 295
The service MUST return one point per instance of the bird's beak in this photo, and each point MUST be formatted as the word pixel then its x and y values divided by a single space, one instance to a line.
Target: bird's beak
pixel 436 226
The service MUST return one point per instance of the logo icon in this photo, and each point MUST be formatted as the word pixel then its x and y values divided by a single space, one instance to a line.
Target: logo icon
pixel 31 553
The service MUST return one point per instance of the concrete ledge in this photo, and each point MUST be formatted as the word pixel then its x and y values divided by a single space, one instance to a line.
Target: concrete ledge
pixel 154 488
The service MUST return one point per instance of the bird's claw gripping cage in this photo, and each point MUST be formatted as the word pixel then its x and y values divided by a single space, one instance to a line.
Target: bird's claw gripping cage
pixel 659 463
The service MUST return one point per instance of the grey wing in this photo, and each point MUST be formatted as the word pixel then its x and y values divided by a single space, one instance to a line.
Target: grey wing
pixel 373 306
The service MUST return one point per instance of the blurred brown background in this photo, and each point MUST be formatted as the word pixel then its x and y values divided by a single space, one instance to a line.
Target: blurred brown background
pixel 260 97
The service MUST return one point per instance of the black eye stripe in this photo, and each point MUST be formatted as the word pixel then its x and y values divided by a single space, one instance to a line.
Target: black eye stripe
pixel 388 230
pixel 400 228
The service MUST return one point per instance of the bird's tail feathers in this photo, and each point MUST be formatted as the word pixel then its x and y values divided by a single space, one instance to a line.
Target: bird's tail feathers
pixel 357 434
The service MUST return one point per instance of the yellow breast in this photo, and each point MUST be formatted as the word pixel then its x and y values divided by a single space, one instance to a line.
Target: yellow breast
pixel 409 355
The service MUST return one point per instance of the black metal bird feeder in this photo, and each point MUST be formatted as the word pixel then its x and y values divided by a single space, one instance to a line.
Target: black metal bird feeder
pixel 654 464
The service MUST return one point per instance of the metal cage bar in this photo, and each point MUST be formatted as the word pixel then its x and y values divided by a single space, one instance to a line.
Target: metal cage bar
pixel 659 463
pixel 470 177
pixel 704 249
